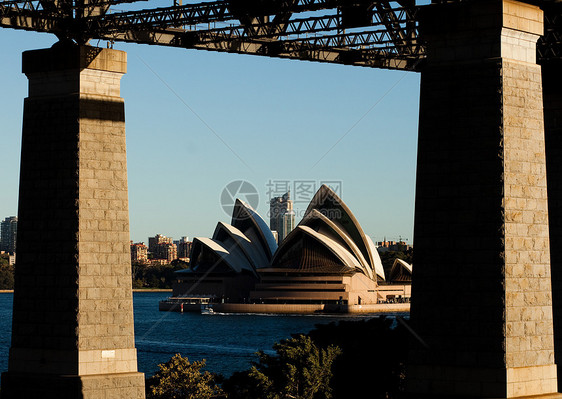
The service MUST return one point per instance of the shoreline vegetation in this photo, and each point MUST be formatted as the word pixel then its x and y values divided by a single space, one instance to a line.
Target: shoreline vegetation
pixel 317 365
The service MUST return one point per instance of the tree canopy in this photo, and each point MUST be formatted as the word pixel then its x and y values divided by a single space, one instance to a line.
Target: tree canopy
pixel 349 359
pixel 157 276
pixel 178 378
pixel 298 370
pixel 6 274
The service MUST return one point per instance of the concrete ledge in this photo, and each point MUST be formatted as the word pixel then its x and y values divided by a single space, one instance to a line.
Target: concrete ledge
pixel 67 56
pixel 486 15
pixel 26 385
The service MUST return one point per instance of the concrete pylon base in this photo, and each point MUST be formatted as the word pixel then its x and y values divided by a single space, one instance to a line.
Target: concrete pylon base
pixel 26 385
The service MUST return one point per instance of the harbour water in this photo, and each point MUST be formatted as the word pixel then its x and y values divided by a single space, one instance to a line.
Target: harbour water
pixel 227 341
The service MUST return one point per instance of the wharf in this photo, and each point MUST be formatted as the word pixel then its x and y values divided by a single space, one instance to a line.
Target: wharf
pixel 179 304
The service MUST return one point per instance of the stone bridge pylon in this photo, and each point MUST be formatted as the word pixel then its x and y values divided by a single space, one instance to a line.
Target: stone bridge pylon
pixel 482 296
pixel 73 332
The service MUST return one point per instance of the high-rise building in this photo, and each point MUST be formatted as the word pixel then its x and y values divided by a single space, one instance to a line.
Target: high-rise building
pixel 183 239
pixel 167 251
pixel 139 252
pixel 154 242
pixel 281 215
pixel 162 247
pixel 288 223
pixel 184 248
pixel 8 232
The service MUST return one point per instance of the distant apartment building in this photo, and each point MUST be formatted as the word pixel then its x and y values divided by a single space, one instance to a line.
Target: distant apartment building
pixel 183 239
pixel 167 251
pixel 184 248
pixel 154 242
pixel 139 252
pixel 162 247
pixel 8 233
pixel 281 216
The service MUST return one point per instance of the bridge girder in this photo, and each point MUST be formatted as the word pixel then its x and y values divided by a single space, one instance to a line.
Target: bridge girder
pixel 380 34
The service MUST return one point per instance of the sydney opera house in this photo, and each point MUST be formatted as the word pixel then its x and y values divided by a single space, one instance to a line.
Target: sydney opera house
pixel 326 260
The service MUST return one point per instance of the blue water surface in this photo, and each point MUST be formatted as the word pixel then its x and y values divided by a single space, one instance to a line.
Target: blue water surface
pixel 227 341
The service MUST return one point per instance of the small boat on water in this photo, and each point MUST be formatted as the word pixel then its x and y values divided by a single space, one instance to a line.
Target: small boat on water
pixel 185 303
pixel 207 309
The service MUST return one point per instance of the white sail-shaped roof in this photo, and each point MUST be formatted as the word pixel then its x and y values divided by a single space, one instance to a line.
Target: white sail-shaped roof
pixel 329 239
pixel 342 253
pixel 246 245
pixel 227 233
pixel 315 216
pixel 400 271
pixel 233 257
pixel 345 259
pixel 377 262
pixel 252 225
pixel 327 202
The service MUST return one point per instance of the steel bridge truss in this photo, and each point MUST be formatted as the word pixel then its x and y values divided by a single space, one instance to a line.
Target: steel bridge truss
pixel 369 33
pixel 381 34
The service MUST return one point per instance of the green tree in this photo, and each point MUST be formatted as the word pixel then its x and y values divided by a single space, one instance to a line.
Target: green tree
pixel 179 264
pixel 178 378
pixel 299 370
pixel 371 364
pixel 137 274
pixel 158 276
pixel 6 275
pixel 374 354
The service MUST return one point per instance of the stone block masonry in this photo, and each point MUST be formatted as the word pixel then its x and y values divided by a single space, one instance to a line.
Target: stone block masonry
pixel 552 95
pixel 484 309
pixel 73 332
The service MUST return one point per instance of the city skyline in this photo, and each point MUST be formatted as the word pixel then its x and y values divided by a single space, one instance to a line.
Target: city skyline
pixel 197 121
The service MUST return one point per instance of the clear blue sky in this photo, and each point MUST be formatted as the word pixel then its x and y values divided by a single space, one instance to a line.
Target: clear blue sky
pixel 288 121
